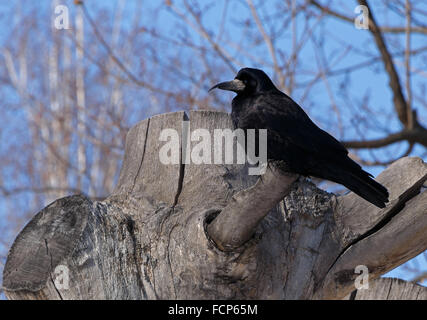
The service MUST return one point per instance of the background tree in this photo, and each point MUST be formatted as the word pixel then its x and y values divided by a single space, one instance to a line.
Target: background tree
pixel 69 96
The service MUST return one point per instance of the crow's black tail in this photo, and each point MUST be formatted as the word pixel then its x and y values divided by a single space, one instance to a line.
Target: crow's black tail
pixel 360 182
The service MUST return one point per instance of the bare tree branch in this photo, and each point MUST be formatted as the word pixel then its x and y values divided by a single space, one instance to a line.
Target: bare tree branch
pixel 385 29
pixel 8 192
pixel 237 222
pixel 400 104
pixel 408 63
pixel 415 135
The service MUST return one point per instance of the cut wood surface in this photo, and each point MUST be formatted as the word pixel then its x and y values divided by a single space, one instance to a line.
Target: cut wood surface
pixel 211 231
pixel 390 289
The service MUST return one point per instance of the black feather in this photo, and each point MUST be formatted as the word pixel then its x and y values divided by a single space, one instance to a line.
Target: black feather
pixel 293 138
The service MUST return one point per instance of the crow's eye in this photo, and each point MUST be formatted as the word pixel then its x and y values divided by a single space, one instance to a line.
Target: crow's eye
pixel 245 81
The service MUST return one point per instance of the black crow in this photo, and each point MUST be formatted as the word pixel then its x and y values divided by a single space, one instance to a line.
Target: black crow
pixel 293 138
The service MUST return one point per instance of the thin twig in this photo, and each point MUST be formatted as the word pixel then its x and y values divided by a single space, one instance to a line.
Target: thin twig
pixel 408 64
pixel 385 29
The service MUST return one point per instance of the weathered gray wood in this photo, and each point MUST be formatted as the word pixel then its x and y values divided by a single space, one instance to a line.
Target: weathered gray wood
pixel 219 181
pixel 149 239
pixel 154 178
pixel 355 216
pixel 142 171
pixel 399 240
pixel 390 289
pixel 42 245
pixel 134 153
pixel 237 221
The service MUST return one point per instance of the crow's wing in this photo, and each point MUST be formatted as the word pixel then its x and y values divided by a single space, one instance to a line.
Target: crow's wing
pixel 305 147
pixel 281 114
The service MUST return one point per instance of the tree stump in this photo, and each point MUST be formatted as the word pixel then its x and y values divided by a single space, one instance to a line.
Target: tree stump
pixel 211 231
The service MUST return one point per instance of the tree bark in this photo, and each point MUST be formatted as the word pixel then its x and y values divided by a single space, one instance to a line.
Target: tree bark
pixel 211 231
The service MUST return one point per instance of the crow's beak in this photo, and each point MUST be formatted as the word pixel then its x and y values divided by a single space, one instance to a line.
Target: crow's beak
pixel 233 85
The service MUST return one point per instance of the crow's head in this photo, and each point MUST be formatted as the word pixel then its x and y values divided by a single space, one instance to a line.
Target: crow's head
pixel 247 81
